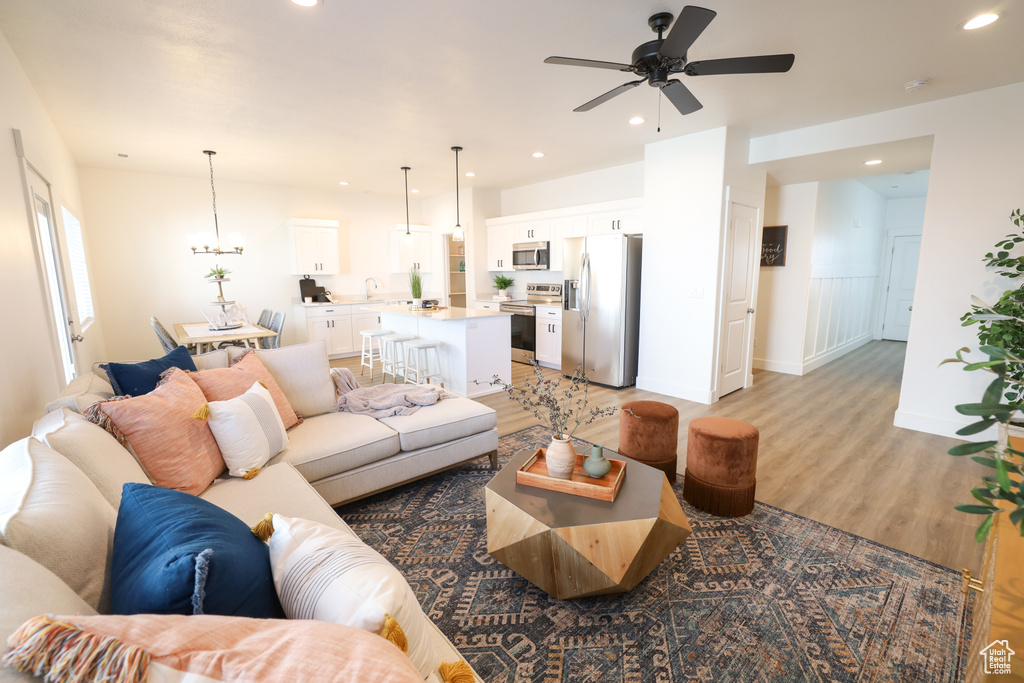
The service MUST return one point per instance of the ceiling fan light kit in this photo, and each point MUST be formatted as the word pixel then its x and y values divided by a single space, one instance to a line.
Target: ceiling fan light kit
pixel 656 61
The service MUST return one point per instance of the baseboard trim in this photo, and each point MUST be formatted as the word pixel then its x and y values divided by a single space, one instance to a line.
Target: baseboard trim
pixel 837 352
pixel 676 390
pixel 936 425
pixel 778 366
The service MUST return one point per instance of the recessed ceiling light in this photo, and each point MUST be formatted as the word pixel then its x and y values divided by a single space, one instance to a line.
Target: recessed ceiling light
pixel 414 191
pixel 343 182
pixel 980 20
pixel 637 120
pixel 538 155
pixel 873 162
pixel 307 3
pixel 470 174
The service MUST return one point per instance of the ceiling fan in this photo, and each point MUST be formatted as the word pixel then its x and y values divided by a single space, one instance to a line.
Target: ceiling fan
pixel 659 59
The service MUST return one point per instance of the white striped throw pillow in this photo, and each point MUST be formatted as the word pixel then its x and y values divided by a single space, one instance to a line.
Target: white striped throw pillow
pixel 248 430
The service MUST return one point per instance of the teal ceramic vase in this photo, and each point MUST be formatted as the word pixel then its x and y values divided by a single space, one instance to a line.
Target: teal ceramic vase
pixel 596 465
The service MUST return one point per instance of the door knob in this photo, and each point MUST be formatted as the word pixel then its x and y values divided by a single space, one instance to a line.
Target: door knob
pixel 77 338
pixel 910 308
pixel 750 310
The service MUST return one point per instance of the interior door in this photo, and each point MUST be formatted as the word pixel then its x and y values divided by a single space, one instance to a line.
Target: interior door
pixel 738 295
pixel 899 299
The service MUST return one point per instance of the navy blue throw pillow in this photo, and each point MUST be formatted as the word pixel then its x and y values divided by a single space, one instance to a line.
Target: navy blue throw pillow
pixel 175 553
pixel 136 379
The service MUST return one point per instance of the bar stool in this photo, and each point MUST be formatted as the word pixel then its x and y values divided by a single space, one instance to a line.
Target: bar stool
pixel 417 361
pixel 369 353
pixel 393 355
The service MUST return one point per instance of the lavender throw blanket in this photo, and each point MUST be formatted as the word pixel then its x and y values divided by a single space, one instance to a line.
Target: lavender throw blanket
pixel 383 400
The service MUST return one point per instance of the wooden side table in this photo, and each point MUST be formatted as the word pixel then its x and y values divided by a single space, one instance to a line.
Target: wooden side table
pixel 570 546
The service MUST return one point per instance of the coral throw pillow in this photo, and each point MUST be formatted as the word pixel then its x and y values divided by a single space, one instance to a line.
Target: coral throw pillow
pixel 176 450
pixel 222 384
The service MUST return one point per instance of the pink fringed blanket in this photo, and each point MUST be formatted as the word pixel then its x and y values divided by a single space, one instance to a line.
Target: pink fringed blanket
pixel 382 400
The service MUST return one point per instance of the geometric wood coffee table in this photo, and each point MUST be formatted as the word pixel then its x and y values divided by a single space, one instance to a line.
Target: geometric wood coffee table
pixel 571 546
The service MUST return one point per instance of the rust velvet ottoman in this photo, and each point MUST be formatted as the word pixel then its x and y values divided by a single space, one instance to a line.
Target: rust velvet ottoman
pixel 648 432
pixel 721 466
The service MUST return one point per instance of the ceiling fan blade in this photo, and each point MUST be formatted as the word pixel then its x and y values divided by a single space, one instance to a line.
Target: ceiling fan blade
pixel 741 65
pixel 601 99
pixel 569 61
pixel 681 97
pixel 689 25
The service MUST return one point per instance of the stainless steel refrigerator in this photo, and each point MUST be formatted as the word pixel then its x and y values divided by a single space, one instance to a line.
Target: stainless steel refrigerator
pixel 601 307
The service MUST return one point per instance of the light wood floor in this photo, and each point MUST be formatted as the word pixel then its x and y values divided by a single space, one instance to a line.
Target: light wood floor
pixel 828 451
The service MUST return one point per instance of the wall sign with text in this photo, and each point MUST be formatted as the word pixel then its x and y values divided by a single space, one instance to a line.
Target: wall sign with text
pixel 773 245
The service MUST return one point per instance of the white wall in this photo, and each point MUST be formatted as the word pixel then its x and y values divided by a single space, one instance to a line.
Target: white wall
pixel 974 182
pixel 30 370
pixel 782 291
pixel 139 222
pixel 608 184
pixel 905 215
pixel 683 217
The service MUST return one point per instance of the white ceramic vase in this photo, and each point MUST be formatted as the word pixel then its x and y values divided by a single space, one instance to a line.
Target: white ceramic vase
pixel 560 457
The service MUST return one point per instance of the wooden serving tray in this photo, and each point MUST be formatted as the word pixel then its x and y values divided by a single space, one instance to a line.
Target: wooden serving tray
pixel 534 472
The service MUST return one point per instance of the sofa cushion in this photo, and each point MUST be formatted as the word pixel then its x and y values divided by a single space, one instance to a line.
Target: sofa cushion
pixel 303 372
pixel 278 488
pixel 328 574
pixel 327 444
pixel 160 541
pixel 221 384
pixel 248 430
pixel 82 392
pixel 136 379
pixel 30 589
pixel 92 449
pixel 447 420
pixel 217 358
pixel 50 511
pixel 176 450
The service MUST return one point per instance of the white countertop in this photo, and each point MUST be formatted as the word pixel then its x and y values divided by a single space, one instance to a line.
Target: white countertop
pixel 443 314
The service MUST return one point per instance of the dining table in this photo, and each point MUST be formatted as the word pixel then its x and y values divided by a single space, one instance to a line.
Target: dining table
pixel 202 337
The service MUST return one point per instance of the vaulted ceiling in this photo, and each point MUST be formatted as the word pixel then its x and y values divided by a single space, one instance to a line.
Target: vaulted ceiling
pixel 352 91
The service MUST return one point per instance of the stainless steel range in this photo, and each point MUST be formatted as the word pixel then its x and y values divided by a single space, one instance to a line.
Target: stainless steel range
pixel 524 318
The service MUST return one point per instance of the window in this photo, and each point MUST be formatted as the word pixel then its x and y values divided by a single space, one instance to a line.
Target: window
pixel 79 271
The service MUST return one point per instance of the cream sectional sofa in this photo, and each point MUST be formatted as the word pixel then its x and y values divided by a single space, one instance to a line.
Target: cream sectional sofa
pixel 60 489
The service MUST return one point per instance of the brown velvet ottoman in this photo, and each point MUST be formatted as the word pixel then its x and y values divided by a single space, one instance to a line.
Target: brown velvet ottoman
pixel 649 432
pixel 721 466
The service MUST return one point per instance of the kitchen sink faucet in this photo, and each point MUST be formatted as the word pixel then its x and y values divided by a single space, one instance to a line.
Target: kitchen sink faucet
pixel 366 287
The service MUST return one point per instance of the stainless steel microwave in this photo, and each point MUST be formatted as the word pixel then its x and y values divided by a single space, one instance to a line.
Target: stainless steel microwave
pixel 530 256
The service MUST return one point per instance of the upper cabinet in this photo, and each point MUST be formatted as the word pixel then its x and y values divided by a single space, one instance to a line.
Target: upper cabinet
pixel 413 250
pixel 500 239
pixel 621 222
pixel 621 217
pixel 315 246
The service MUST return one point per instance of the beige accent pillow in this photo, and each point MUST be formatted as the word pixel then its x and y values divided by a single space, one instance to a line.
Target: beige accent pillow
pixel 303 372
pixel 93 450
pixel 223 384
pixel 211 359
pixel 176 450
pixel 82 392
pixel 50 511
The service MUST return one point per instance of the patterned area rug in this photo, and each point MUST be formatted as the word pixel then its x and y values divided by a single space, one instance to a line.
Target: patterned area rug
pixel 767 597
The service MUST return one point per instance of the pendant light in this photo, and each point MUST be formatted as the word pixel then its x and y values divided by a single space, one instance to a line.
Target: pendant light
pixel 209 242
pixel 408 233
pixel 459 235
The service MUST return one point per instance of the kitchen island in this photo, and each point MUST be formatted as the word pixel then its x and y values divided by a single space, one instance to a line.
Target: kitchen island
pixel 475 343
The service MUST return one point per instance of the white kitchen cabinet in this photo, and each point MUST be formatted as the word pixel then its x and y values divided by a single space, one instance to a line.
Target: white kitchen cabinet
pixel 499 246
pixel 361 321
pixel 561 229
pixel 333 324
pixel 549 336
pixel 621 222
pixel 533 231
pixel 488 305
pixel 412 251
pixel 316 248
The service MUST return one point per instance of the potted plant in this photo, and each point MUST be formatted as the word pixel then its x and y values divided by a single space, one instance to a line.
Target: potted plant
pixel 416 285
pixel 217 273
pixel 502 283
pixel 1001 333
pixel 562 411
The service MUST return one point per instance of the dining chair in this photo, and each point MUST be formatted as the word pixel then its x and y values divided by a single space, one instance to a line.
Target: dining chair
pixel 265 317
pixel 166 340
pixel 276 324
